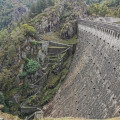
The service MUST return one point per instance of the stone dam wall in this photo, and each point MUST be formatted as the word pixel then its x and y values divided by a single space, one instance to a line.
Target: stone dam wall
pixel 92 86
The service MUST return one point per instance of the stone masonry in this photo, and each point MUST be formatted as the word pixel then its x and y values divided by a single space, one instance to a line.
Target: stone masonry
pixel 92 86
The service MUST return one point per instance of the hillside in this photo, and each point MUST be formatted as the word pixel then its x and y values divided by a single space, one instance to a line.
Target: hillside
pixel 112 3
pixel 6 116
pixel 38 41
pixel 104 8
pixel 12 10
pixel 35 57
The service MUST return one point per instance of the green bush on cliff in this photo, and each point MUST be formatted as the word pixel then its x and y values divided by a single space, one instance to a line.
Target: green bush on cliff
pixel 3 35
pixel 32 66
pixel 105 8
pixel 33 42
pixel 10 103
pixel 39 6
pixel 28 30
pixel 2 102
pixel 2 99
pixel 22 75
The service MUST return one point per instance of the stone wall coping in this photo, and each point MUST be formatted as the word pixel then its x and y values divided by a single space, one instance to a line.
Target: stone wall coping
pixel 112 29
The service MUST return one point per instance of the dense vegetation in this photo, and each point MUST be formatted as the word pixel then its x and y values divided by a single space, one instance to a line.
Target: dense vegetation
pixel 10 40
pixel 105 8
pixel 9 65
pixel 39 6
pixel 31 67
pixel 7 8
pixel 15 37
pixel 93 1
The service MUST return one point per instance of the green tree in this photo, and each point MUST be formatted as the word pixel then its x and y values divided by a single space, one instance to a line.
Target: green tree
pixel 96 8
pixel 10 103
pixel 5 80
pixel 43 4
pixel 38 7
pixel 33 9
pixel 22 75
pixel 28 30
pixel 118 12
pixel 103 11
pixel 2 101
pixel 32 12
pixel 3 35
pixel 17 35
pixel 50 3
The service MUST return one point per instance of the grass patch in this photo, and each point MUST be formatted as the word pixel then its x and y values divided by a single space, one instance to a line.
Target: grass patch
pixel 54 36
pixel 52 55
pixel 56 47
pixel 54 59
pixel 62 55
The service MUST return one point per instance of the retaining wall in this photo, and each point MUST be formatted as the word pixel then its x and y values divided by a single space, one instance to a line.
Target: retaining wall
pixel 92 87
pixel 28 110
pixel 58 44
pixel 56 50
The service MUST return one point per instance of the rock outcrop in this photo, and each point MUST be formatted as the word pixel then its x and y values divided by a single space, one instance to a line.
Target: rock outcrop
pixel 69 30
pixel 63 15
pixel 19 13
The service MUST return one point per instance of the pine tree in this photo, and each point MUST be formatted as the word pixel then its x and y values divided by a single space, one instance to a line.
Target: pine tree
pixel 2 99
pixel 33 9
pixel 43 4
pixel 38 7
pixel 50 3
pixel 30 14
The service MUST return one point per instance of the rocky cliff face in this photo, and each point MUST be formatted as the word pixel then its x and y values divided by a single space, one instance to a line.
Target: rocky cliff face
pixel 13 10
pixel 23 51
pixel 19 13
pixel 64 16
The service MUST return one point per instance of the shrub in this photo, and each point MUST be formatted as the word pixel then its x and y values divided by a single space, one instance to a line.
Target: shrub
pixel 5 109
pixel 33 42
pixel 22 75
pixel 65 5
pixel 28 30
pixel 32 66
pixel 2 102
pixel 10 103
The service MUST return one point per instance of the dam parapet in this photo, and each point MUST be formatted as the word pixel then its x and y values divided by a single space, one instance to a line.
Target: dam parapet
pixel 92 86
pixel 109 33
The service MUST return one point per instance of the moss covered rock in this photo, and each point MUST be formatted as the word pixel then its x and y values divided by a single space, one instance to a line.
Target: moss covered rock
pixel 68 30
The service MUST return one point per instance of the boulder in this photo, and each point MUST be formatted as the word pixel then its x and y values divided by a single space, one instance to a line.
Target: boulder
pixel 68 30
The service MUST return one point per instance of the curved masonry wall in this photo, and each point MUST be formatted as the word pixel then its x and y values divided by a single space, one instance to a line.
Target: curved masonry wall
pixel 92 87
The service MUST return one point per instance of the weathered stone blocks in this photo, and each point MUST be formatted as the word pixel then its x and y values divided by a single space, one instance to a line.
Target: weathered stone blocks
pixel 92 87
